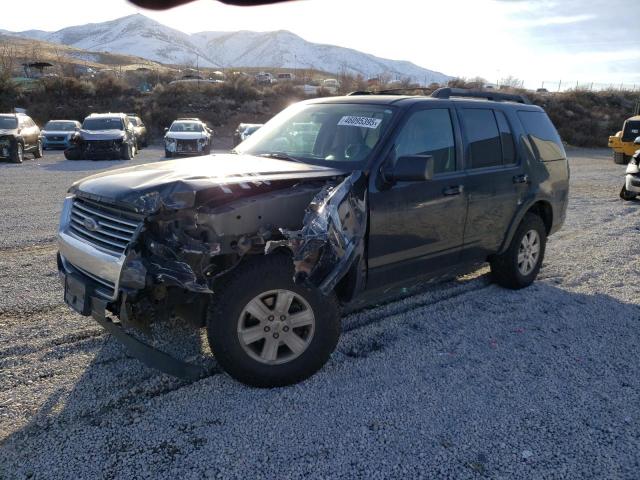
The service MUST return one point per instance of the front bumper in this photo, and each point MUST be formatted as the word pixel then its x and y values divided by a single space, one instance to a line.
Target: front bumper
pixel 91 282
pixel 185 147
pixel 81 294
pixel 632 183
pixel 48 142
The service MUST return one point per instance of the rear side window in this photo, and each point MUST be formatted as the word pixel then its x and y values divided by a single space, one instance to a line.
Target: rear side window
pixel 506 139
pixel 481 128
pixel 543 136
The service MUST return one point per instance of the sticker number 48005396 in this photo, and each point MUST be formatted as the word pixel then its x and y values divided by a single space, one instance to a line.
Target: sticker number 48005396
pixel 354 121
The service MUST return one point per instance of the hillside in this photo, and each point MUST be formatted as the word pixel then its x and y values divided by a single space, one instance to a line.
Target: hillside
pixel 141 36
pixel 17 50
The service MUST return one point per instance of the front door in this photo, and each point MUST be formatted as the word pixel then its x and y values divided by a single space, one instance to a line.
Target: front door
pixel 416 228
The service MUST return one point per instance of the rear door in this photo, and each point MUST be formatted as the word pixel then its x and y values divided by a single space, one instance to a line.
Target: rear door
pixel 496 179
pixel 416 228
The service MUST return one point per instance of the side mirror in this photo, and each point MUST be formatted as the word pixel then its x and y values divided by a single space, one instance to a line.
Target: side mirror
pixel 411 168
pixel 166 129
pixel 636 141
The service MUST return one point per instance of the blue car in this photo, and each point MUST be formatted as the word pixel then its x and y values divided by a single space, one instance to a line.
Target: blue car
pixel 57 133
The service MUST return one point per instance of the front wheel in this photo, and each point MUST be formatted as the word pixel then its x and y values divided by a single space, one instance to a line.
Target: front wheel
pixel 267 331
pixel 626 194
pixel 519 265
pixel 17 153
pixel 127 152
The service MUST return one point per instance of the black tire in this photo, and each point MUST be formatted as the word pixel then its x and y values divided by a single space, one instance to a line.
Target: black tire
pixel 17 153
pixel 504 268
pixel 127 152
pixel 248 281
pixel 620 158
pixel 38 151
pixel 167 153
pixel 627 195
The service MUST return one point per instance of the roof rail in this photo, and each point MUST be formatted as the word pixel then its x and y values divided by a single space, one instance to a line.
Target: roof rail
pixel 486 94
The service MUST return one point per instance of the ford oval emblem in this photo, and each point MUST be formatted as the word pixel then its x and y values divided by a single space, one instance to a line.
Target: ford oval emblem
pixel 90 224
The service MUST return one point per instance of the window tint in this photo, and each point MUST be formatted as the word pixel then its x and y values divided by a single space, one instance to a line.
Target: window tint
pixel 506 139
pixel 429 132
pixel 485 149
pixel 543 136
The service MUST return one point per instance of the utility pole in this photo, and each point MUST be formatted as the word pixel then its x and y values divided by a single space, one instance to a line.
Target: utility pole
pixel 560 85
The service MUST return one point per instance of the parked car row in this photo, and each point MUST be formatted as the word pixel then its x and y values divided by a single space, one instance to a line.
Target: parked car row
pixel 107 135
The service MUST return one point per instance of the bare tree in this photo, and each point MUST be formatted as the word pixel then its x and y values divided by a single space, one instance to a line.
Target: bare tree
pixel 8 58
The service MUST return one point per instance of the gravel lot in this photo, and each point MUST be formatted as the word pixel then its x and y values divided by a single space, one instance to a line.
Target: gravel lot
pixel 465 380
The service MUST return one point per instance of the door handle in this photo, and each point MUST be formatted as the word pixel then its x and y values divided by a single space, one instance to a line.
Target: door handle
pixel 521 178
pixel 453 190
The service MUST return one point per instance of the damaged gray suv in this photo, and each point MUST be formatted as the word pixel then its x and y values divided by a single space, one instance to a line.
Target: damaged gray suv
pixel 334 204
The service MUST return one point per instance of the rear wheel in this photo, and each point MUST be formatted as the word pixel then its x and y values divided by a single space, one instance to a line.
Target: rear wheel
pixel 38 152
pixel 620 158
pixel 267 331
pixel 519 265
pixel 17 153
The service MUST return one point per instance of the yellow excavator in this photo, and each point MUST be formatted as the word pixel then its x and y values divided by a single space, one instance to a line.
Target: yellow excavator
pixel 622 142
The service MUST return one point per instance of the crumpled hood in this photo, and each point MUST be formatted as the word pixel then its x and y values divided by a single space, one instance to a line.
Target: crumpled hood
pixel 185 135
pixel 175 183
pixel 101 134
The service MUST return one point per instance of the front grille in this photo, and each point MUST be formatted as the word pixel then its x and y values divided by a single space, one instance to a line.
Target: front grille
pixel 102 146
pixel 187 146
pixel 55 138
pixel 104 226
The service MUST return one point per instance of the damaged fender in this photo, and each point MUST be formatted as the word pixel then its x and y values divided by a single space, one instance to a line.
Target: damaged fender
pixel 333 234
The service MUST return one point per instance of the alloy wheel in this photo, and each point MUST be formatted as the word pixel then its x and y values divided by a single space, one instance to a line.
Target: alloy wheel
pixel 276 327
pixel 528 252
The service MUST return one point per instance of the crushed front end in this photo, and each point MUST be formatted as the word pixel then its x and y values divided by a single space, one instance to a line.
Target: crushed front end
pixel 155 255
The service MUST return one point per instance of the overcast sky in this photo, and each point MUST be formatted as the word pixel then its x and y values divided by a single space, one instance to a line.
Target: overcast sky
pixel 535 40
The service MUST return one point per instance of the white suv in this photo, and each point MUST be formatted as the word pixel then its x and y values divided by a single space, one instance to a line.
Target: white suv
pixel 187 136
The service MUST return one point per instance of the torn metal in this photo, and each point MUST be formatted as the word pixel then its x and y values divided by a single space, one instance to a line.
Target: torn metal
pixel 333 234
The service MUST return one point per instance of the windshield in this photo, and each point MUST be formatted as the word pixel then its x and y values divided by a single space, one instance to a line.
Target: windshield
pixel 336 134
pixel 102 124
pixel 8 122
pixel 60 126
pixel 186 127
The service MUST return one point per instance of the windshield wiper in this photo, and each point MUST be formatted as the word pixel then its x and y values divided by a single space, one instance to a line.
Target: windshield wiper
pixel 280 156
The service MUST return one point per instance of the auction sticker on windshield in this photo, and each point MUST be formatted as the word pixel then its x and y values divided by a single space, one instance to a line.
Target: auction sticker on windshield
pixel 366 122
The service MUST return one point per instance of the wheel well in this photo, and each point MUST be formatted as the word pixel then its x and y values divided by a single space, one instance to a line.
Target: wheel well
pixel 545 212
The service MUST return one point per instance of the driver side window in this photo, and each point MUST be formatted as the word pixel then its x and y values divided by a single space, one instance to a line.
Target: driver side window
pixel 429 132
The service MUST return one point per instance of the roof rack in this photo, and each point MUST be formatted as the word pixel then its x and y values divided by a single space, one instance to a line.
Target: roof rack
pixel 447 92
pixel 389 91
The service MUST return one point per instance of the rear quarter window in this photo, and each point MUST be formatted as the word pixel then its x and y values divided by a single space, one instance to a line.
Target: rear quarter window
pixel 542 135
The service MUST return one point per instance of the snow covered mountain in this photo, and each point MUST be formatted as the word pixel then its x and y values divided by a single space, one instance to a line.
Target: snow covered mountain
pixel 143 37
